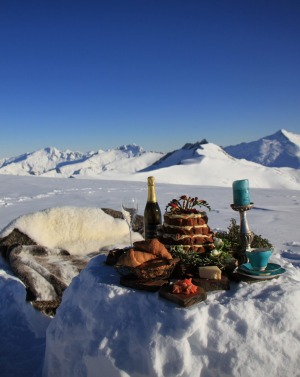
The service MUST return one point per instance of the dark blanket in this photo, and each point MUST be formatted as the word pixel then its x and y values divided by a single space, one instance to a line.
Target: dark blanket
pixel 45 272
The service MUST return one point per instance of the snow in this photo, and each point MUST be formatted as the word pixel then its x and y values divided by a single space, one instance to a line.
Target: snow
pixel 130 162
pixel 281 149
pixel 38 162
pixel 233 333
pixel 104 329
pixel 50 162
pixel 295 138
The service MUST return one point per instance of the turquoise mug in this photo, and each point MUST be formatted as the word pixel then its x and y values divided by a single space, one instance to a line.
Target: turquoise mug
pixel 259 258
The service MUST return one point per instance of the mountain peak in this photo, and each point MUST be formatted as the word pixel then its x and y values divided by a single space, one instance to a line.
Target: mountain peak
pixel 292 137
pixel 50 149
pixel 131 149
pixel 190 153
pixel 281 149
pixel 196 145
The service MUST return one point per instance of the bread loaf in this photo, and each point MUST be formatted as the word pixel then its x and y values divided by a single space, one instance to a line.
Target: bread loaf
pixel 134 258
pixel 154 247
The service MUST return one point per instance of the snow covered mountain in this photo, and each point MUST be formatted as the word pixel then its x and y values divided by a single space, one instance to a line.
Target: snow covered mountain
pixel 209 165
pixel 52 162
pixel 190 154
pixel 125 159
pixel 201 163
pixel 38 162
pixel 281 149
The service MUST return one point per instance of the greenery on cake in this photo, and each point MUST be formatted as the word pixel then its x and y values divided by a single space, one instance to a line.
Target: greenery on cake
pixel 186 205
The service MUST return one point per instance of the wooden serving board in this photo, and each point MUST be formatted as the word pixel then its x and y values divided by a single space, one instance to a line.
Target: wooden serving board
pixel 182 299
pixel 210 285
pixel 150 286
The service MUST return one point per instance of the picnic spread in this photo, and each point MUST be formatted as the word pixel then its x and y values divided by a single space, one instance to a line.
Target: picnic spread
pixel 183 261
pixel 189 256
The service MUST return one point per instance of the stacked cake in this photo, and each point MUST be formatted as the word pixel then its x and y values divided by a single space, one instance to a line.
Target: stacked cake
pixel 184 225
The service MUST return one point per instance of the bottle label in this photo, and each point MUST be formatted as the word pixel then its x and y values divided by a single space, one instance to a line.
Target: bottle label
pixel 152 231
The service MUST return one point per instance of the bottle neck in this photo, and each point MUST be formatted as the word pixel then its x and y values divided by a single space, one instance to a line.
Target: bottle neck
pixel 151 191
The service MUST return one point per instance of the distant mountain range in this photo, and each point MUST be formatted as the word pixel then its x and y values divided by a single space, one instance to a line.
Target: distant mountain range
pixel 281 149
pixel 51 162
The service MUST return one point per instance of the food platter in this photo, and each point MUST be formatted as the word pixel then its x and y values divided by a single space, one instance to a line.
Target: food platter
pixel 183 299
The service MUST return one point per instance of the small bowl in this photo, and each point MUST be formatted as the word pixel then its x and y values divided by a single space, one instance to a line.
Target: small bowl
pixel 259 258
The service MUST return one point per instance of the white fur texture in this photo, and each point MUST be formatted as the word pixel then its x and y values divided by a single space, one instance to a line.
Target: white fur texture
pixel 76 229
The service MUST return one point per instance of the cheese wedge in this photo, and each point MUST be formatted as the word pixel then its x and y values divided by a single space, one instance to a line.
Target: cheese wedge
pixel 210 272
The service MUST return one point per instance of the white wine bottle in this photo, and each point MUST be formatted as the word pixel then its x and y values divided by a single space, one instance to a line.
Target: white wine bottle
pixel 152 213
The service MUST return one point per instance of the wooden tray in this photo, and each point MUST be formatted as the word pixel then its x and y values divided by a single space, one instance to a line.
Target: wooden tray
pixel 182 299
pixel 210 285
pixel 150 286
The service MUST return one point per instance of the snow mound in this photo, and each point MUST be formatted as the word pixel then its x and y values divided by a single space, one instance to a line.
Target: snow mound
pixel 124 332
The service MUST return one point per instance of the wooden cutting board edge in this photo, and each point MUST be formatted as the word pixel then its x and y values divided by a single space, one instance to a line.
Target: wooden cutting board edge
pixel 182 299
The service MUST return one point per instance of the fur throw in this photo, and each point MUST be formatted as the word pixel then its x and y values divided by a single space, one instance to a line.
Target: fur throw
pixel 45 272
pixel 47 249
pixel 78 230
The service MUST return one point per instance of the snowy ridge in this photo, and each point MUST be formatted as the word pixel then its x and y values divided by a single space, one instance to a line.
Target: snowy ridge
pixel 51 162
pixel 212 166
pixel 38 162
pixel 192 154
pixel 200 163
pixel 189 153
pixel 281 149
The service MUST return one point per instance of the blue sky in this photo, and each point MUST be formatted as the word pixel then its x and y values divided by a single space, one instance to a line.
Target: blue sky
pixel 88 75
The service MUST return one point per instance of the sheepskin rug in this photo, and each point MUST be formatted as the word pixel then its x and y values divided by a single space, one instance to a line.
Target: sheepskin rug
pixel 79 230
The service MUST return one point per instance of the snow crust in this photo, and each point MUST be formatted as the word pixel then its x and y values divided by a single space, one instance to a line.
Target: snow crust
pixel 139 334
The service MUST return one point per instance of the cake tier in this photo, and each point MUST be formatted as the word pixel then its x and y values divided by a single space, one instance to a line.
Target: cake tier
pixel 198 248
pixel 179 239
pixel 186 219
pixel 186 230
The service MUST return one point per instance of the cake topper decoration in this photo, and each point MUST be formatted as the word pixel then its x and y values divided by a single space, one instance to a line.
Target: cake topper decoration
pixel 186 204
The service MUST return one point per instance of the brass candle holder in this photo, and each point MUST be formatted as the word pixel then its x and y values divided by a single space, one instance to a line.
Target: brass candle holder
pixel 246 235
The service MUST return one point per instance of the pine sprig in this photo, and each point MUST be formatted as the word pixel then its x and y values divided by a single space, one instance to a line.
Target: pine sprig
pixel 196 259
pixel 232 238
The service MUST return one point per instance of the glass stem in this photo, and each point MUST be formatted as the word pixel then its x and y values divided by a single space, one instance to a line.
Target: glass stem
pixel 130 233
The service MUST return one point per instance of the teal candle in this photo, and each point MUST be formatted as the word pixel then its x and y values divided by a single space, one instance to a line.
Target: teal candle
pixel 241 195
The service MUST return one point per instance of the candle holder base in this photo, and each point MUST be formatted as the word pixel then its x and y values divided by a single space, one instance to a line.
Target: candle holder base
pixel 246 235
pixel 242 208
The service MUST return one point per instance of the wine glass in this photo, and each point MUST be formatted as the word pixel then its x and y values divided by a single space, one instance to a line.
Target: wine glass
pixel 129 211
